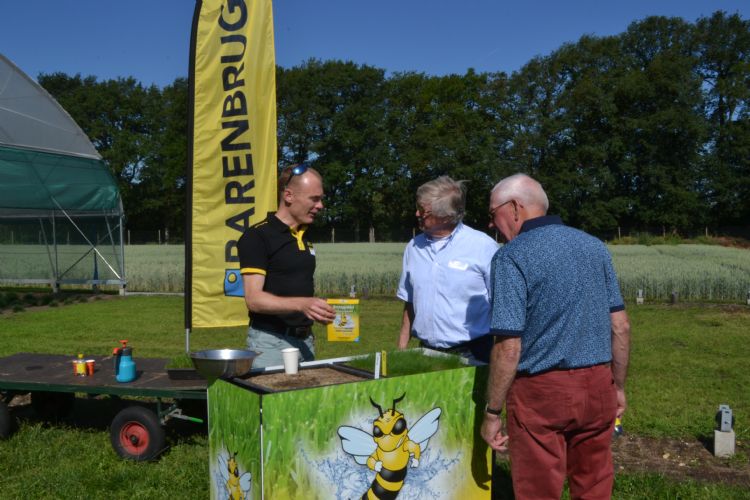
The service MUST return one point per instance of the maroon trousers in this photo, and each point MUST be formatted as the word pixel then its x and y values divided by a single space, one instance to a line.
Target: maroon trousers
pixel 560 423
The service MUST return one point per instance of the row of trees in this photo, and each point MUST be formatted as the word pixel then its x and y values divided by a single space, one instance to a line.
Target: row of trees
pixel 649 129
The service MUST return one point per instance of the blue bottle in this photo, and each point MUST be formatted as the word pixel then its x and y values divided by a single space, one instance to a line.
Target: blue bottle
pixel 125 366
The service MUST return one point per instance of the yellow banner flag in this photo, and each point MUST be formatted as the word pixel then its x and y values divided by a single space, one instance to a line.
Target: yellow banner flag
pixel 232 179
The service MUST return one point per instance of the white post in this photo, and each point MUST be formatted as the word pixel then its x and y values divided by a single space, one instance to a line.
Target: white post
pixel 376 369
pixel 724 438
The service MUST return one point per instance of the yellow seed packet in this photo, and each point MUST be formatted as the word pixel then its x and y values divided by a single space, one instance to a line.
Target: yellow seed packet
pixel 345 327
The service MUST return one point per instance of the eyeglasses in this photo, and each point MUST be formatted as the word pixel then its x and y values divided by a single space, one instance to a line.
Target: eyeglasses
pixel 497 207
pixel 297 170
pixel 423 214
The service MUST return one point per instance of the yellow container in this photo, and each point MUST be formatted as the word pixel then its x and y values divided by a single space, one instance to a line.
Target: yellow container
pixel 79 366
pixel 345 327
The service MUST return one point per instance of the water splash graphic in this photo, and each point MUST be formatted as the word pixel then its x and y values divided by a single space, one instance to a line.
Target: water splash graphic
pixel 350 480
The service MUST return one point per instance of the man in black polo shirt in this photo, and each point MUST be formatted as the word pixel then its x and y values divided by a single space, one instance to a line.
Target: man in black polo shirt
pixel 277 264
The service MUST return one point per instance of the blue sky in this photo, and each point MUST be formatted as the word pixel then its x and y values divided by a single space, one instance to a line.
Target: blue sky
pixel 149 39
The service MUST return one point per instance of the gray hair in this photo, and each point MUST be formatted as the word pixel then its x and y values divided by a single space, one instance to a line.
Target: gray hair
pixel 446 197
pixel 523 188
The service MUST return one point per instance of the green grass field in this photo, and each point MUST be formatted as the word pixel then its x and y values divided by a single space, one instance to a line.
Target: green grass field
pixel 686 360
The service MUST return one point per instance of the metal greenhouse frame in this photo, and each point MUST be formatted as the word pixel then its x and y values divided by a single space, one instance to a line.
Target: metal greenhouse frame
pixel 61 216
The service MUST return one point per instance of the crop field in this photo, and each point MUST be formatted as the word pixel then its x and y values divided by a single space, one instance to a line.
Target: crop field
pixel 695 272
pixel 73 261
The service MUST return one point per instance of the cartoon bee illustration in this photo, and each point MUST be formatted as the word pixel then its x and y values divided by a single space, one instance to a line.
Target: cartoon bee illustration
pixel 390 447
pixel 344 319
pixel 237 485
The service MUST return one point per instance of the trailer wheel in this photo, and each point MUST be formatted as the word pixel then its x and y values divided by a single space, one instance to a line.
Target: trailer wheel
pixel 52 405
pixel 7 396
pixel 136 434
pixel 6 421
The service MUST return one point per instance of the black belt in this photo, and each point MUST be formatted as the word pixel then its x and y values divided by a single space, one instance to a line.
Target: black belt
pixel 479 347
pixel 455 348
pixel 299 332
pixel 568 369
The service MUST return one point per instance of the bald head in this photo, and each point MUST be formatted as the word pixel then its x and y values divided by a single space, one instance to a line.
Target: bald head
pixel 513 201
pixel 524 189
pixel 294 175
pixel 301 195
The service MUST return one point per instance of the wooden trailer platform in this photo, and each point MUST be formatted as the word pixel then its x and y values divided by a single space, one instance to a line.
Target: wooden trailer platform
pixel 136 431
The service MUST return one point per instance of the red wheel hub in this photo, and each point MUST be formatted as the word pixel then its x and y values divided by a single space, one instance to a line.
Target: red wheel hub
pixel 134 438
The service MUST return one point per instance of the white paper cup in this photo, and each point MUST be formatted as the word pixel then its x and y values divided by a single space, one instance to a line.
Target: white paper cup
pixel 291 360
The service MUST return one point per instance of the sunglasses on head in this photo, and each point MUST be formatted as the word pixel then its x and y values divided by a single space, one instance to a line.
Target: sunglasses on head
pixel 297 170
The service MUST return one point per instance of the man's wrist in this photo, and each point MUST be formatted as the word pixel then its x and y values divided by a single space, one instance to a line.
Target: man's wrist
pixel 493 411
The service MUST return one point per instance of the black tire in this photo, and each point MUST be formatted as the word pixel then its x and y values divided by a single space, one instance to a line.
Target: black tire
pixel 53 405
pixel 7 422
pixel 136 434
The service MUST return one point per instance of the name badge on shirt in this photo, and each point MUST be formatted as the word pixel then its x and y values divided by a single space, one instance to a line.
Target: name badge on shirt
pixel 457 264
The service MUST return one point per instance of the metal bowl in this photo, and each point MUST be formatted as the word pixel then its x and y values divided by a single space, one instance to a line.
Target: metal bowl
pixel 223 363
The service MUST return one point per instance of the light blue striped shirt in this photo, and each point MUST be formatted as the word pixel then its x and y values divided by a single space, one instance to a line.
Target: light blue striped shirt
pixel 448 286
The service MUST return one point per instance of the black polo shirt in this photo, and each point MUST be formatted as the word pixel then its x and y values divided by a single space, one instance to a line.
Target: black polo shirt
pixel 286 259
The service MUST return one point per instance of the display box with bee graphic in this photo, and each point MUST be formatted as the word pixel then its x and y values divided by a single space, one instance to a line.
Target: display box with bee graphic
pixel 410 436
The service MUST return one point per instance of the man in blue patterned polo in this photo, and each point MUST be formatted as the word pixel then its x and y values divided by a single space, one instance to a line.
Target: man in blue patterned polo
pixel 562 346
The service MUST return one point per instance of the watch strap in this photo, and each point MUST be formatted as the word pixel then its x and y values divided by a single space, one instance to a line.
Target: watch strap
pixel 493 411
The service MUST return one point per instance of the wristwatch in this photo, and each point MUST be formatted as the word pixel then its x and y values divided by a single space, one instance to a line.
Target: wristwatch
pixel 493 411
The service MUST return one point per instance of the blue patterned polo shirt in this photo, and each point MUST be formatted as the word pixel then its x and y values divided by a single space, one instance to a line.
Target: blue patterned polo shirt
pixel 555 287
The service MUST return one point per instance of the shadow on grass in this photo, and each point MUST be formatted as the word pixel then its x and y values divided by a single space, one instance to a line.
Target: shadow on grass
pixel 708 442
pixel 96 413
pixel 502 485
